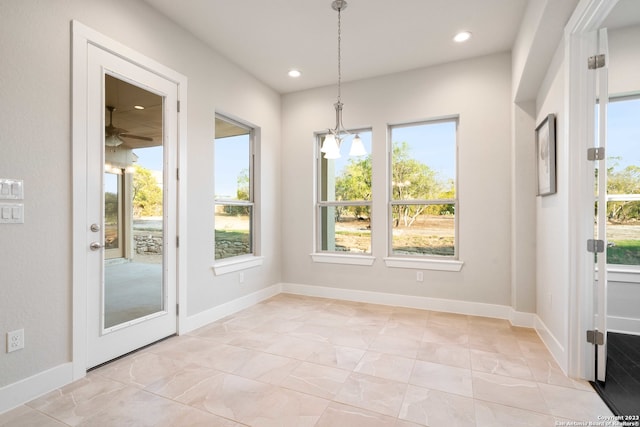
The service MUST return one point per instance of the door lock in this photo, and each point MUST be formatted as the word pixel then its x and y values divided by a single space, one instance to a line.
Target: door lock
pixel 94 246
pixel 95 228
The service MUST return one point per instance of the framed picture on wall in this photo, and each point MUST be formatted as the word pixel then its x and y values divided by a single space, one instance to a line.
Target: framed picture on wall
pixel 546 155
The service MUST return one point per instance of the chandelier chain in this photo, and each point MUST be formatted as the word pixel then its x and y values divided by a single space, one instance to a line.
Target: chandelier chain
pixel 339 52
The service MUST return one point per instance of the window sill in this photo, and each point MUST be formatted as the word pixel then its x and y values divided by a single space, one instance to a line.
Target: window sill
pixel 237 264
pixel 343 259
pixel 623 274
pixel 425 264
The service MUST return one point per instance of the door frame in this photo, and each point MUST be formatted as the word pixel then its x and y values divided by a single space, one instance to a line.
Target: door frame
pixel 588 17
pixel 82 37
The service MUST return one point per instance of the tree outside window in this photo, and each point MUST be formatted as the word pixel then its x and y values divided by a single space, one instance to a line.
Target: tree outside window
pixel 423 201
pixel 344 199
pixel 234 194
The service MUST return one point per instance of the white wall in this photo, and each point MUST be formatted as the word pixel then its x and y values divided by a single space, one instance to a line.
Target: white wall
pixel 552 220
pixel 477 90
pixel 35 145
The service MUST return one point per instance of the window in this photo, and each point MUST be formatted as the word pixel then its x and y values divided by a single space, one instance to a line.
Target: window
pixel 235 207
pixel 423 198
pixel 623 181
pixel 343 209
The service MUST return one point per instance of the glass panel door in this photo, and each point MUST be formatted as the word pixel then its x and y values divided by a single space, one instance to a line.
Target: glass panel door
pixel 133 204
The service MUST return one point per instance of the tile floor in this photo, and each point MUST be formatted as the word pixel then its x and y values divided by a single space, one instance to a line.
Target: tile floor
pixel 299 361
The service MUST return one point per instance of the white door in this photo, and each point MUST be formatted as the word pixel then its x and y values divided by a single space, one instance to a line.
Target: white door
pixel 131 206
pixel 600 229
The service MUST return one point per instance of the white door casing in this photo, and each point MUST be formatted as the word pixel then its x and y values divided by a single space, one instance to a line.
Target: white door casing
pixel 93 55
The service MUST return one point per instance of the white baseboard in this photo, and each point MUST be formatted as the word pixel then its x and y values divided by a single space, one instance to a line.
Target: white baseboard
pixel 16 394
pixel 556 349
pixel 624 325
pixel 424 303
pixel 208 316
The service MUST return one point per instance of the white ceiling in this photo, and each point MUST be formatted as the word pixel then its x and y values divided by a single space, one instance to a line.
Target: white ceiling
pixel 267 38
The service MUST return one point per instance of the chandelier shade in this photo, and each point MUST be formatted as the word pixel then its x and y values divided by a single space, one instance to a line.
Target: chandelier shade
pixel 335 137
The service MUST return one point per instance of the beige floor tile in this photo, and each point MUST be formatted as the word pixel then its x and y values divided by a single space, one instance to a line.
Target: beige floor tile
pixel 303 361
pixel 574 404
pixel 445 354
pixel 399 346
pixel 435 408
pixel 225 395
pixel 395 368
pixel 440 377
pixel 82 399
pixel 268 368
pixel 441 334
pixel 338 414
pixel 203 352
pixel 318 380
pixel 372 393
pixel 23 416
pixel 336 356
pixel 494 415
pixel 548 372
pixel 182 382
pixel 148 410
pixel 293 347
pixel 508 391
pixel 402 330
pixel 141 369
pixel 281 407
pixel 500 364
pixel 495 343
pixel 358 336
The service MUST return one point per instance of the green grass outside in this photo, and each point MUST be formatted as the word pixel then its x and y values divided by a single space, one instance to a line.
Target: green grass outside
pixel 625 252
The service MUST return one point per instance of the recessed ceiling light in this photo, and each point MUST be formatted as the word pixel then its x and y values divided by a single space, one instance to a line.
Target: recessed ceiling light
pixel 138 107
pixel 294 73
pixel 462 36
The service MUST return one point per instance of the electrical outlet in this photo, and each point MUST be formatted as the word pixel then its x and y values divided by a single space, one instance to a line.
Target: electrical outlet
pixel 15 340
pixel 419 276
pixel 241 277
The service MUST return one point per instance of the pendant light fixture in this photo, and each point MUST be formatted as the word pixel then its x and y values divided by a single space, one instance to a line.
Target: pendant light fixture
pixel 333 140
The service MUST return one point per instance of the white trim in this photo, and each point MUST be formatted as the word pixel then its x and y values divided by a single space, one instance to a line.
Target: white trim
pixel 554 346
pixel 424 303
pixel 237 264
pixel 25 390
pixel 347 259
pixel 625 325
pixel 425 264
pixel 218 312
pixel 83 36
pixel 579 90
pixel 628 275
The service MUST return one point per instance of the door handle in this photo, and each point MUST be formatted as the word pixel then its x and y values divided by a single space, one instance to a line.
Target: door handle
pixel 94 246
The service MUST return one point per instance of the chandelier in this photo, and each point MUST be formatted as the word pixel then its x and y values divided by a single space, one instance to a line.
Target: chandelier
pixel 333 140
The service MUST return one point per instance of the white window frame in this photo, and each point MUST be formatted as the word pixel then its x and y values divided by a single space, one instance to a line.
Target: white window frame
pixel 253 259
pixel 334 257
pixel 426 262
pixel 623 272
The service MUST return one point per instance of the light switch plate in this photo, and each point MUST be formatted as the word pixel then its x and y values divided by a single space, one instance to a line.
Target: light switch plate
pixel 11 189
pixel 11 213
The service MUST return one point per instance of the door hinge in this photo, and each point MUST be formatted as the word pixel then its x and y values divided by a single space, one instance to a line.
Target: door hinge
pixel 177 241
pixel 178 106
pixel 178 174
pixel 596 153
pixel 177 309
pixel 595 337
pixel 596 61
pixel 595 246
